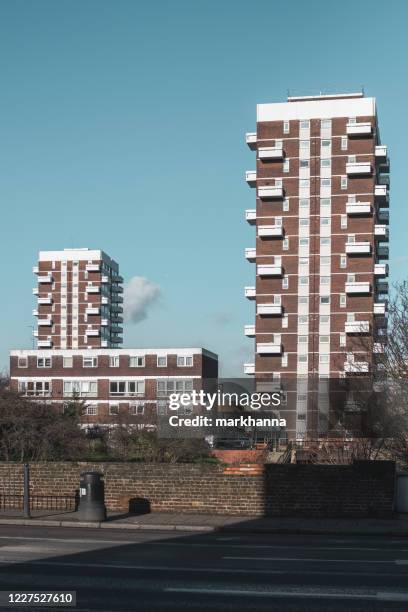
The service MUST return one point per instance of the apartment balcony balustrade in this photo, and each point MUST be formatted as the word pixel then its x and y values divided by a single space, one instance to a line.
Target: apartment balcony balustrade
pixel 44 344
pixel 382 251
pixel 45 279
pixel 35 333
pixel 380 308
pixel 382 287
pixel 93 289
pixel 270 192
pixel 381 157
pixel 270 231
pixel 116 339
pixel 357 327
pixel 381 232
pixel 116 329
pixel 117 278
pixel 250 216
pixel 250 177
pixel 250 138
pixel 249 331
pixel 381 269
pixel 92 310
pixel 92 333
pixel 358 208
pixel 360 288
pixel 46 322
pixel 358 168
pixel 105 279
pixel 104 322
pixel 381 194
pixel 35 270
pixel 269 270
pixel 116 308
pixel 35 312
pixel 269 348
pixel 267 153
pixel 117 288
pixel 116 319
pixel 93 267
pixel 104 300
pixel 44 301
pixel 269 309
pixel 250 293
pixel 249 368
pixel 35 291
pixel 356 367
pixel 358 248
pixel 250 254
pixel 383 216
pixel 359 129
pixel 116 298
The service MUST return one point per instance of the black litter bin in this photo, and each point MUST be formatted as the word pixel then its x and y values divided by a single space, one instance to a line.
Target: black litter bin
pixel 91 505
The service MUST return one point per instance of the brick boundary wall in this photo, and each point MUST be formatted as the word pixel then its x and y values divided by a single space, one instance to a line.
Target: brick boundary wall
pixel 364 489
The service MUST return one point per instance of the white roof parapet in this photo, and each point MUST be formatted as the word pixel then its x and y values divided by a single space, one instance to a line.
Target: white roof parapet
pixel 317 108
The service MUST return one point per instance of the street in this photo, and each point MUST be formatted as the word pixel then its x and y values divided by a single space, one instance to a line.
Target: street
pixel 115 569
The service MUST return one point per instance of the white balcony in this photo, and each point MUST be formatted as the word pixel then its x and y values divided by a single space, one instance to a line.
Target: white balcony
pixel 381 269
pixel 47 322
pixel 250 216
pixel 250 254
pixel 358 208
pixel 92 310
pixel 269 309
pixel 250 177
pixel 45 301
pixel 93 267
pixel 381 232
pixel 35 270
pixel 44 344
pixel 270 231
pixel 357 327
pixel 270 153
pixel 250 293
pixel 104 300
pixel 105 322
pixel 46 278
pixel 356 367
pixel 270 192
pixel 359 129
pixel 359 288
pixel 35 291
pixel 249 368
pixel 269 348
pixel 378 347
pixel 250 138
pixel 358 248
pixel 381 192
pixel 93 289
pixel 381 152
pixel 35 312
pixel 105 278
pixel 380 308
pixel 93 333
pixel 358 168
pixel 269 270
pixel 249 331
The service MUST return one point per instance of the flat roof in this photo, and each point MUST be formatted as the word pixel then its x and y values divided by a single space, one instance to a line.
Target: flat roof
pixel 132 352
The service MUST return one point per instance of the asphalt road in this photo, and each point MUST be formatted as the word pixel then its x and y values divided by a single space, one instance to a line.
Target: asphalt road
pixel 174 571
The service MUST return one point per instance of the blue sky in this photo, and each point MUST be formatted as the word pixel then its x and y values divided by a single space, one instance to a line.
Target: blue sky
pixel 122 127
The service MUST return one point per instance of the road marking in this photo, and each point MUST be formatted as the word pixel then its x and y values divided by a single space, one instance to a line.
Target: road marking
pixel 391 596
pixel 311 560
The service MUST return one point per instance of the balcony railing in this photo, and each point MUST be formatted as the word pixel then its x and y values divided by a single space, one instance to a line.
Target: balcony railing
pixel 93 310
pixel 46 301
pixel 270 192
pixel 35 270
pixel 47 322
pixel 269 309
pixel 358 208
pixel 270 153
pixel 358 168
pixel 269 270
pixel 250 216
pixel 250 254
pixel 381 269
pixel 380 308
pixel 93 289
pixel 250 177
pixel 357 327
pixel 44 343
pixel 358 287
pixel 269 348
pixel 249 331
pixel 46 278
pixel 250 293
pixel 250 138
pixel 381 194
pixel 381 157
pixel 359 129
pixel 93 267
pixel 93 333
pixel 249 368
pixel 383 251
pixel 383 216
pixel 358 248
pixel 381 232
pixel 270 231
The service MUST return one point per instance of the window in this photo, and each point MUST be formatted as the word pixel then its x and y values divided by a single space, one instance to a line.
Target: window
pixel 285 244
pixel 44 362
pixel 304 144
pixel 351 238
pixel 304 221
pixel 303 319
pixel 343 300
pixel 166 387
pixel 305 125
pixel 303 300
pixel 278 221
pixel 304 203
pixel 343 182
pixel 351 278
pixel 352 120
pixel 344 143
pixel 303 280
pixel 325 124
pixel 325 182
pixel 324 359
pixel 286 165
pixel 325 202
pixel 161 407
pixel 114 361
pixel 113 409
pixel 304 183
pixel 284 361
pixel 342 339
pixel 286 127
pixel 343 221
pixel 285 205
pixel 278 182
pixel 126 387
pixel 67 362
pixel 22 362
pixel 326 143
pixel 303 261
pixel 324 299
pixel 304 163
pixel 324 339
pixel 352 199
pixel 351 317
pixel 351 159
pixel 161 361
pixel 301 416
pixel 324 241
pixel 89 362
pixel 137 409
pixel 91 410
pixel 325 221
pixel 343 261
pixel 324 260
pixel 285 282
pixel 302 358
pixel 303 339
pixel 184 361
pixel 285 322
pixel 82 388
pixel 325 280
pixel 137 362
pixel 38 388
pixel 324 319
pixel 325 163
